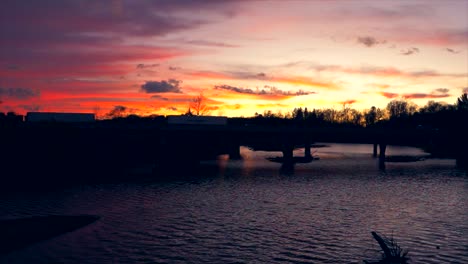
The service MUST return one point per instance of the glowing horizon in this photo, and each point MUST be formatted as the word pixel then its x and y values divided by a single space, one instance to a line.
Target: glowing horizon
pixel 244 56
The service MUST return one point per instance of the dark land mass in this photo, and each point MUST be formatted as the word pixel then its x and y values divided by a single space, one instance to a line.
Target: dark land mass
pixel 45 155
pixel 20 233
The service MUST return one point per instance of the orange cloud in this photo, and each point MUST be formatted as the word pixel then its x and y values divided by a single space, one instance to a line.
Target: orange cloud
pixel 348 102
pixel 304 81
pixel 210 75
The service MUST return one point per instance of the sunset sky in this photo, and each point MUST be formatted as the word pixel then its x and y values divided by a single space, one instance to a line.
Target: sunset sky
pixel 153 57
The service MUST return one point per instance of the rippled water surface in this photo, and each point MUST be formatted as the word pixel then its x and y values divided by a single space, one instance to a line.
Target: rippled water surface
pixel 256 211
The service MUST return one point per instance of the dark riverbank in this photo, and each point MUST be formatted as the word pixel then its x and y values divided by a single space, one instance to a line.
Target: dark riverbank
pixel 22 232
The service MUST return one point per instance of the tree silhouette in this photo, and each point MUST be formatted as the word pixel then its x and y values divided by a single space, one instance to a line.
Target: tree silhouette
pixel 189 112
pixel 433 107
pixel 117 112
pixel 400 108
pixel 462 102
pixel 298 114
pixel 371 116
pixel 198 105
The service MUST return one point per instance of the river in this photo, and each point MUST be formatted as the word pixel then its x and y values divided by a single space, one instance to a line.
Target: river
pixel 254 211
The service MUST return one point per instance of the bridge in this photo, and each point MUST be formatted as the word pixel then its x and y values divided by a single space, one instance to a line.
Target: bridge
pixel 99 150
pixel 198 142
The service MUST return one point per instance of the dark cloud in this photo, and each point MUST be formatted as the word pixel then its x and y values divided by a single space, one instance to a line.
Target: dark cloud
pixel 424 96
pixel 146 66
pixel 30 108
pixel 81 38
pixel 19 93
pixel 442 90
pixel 13 67
pixel 169 86
pixel 118 111
pixel 246 75
pixel 452 51
pixel 172 108
pixel 261 75
pixel 173 68
pixel 238 89
pixel 268 90
pixel 157 96
pixel 136 18
pixel 409 51
pixel 369 41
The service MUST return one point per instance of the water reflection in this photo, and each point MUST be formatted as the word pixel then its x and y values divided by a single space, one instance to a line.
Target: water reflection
pixel 246 210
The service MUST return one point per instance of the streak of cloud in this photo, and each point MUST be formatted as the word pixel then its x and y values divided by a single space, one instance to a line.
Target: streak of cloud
pixel 409 51
pixel 452 51
pixel 436 93
pixel 169 86
pixel 348 102
pixel 268 90
pixel 19 93
pixel 304 81
pixel 369 41
pixel 389 95
pixel 211 43
pixel 146 66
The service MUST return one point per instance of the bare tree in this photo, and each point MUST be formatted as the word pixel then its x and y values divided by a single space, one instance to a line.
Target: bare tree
pixel 401 108
pixel 198 105
pixel 97 111
pixel 462 102
pixel 117 112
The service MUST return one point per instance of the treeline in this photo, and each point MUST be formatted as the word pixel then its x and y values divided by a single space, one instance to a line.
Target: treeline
pixel 398 113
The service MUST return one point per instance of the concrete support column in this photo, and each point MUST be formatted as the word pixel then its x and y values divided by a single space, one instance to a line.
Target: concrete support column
pixel 382 148
pixel 288 153
pixel 234 151
pixel 375 150
pixel 307 153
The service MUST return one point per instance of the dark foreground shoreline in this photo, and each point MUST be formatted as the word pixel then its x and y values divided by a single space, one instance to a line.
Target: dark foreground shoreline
pixel 19 233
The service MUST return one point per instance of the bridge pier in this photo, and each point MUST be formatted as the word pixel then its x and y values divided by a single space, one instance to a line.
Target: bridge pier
pixel 288 153
pixel 382 148
pixel 307 153
pixel 234 151
pixel 375 150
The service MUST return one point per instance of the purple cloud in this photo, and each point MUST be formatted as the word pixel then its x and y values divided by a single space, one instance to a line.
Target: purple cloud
pixel 436 93
pixel 452 51
pixel 268 90
pixel 211 43
pixel 369 41
pixel 78 38
pixel 409 51
pixel 146 66
pixel 19 93
pixel 169 86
